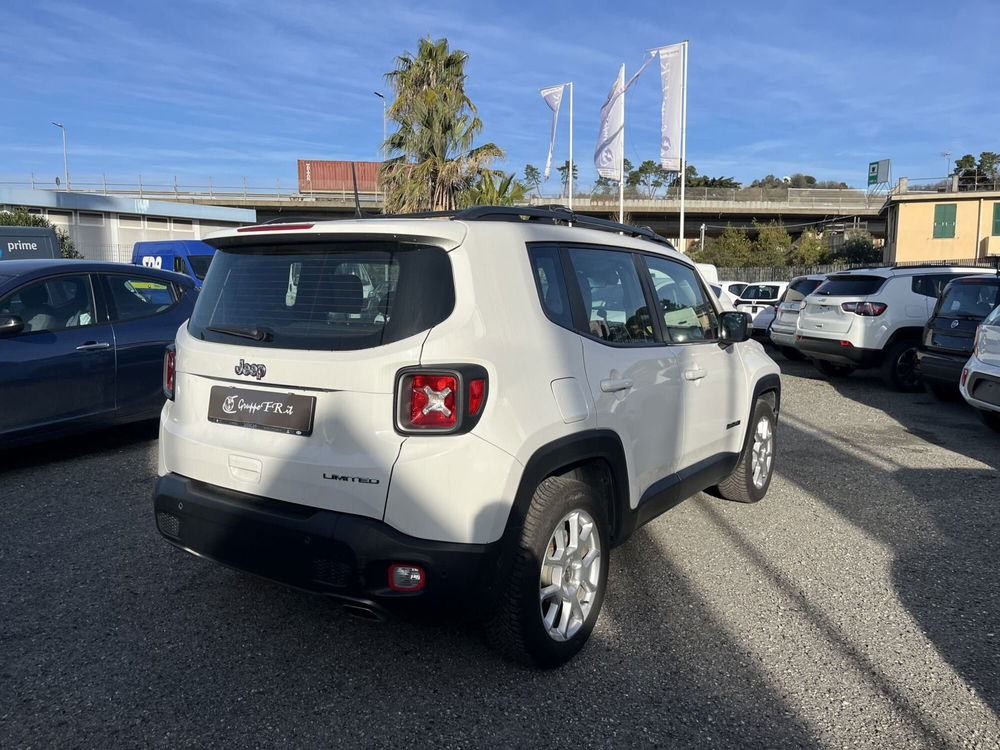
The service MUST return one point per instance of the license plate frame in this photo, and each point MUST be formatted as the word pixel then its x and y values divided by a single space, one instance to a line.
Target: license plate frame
pixel 273 411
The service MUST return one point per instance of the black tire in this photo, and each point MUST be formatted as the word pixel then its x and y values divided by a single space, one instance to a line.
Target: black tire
pixel 790 352
pixel 740 486
pixel 899 366
pixel 942 392
pixel 831 370
pixel 516 628
pixel 990 418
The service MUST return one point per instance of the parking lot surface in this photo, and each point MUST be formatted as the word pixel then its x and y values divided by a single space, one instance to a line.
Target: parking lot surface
pixel 856 605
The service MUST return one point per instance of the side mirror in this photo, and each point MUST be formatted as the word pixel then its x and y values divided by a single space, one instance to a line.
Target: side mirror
pixel 735 326
pixel 10 325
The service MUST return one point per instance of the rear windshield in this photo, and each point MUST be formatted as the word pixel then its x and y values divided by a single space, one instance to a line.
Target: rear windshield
pixel 199 264
pixel 850 286
pixel 760 291
pixel 970 300
pixel 330 296
pixel 799 289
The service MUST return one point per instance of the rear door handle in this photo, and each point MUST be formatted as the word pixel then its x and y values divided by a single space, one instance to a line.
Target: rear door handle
pixel 93 346
pixel 696 374
pixel 610 385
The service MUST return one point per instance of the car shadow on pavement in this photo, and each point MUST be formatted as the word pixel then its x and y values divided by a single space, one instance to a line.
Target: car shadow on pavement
pixel 942 524
pixel 50 452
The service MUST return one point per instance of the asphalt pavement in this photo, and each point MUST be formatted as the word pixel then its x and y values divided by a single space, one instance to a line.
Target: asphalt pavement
pixel 856 605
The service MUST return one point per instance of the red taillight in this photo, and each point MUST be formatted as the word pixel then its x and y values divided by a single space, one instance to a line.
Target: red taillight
pixel 169 372
pixel 846 343
pixel 274 227
pixel 865 309
pixel 477 392
pixel 432 401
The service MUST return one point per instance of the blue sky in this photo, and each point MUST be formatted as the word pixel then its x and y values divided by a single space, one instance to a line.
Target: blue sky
pixel 231 89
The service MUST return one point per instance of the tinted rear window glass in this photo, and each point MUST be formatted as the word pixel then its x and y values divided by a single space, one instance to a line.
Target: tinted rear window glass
pixel 760 291
pixel 332 296
pixel 931 285
pixel 850 286
pixel 975 300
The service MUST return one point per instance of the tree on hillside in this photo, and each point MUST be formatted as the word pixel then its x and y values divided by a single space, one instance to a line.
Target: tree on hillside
pixel 607 188
pixel 431 155
pixel 564 176
pixel 493 188
pixel 971 173
pixel 773 245
pixel 770 181
pixel 532 177
pixel 732 249
pixel 831 185
pixel 858 248
pixel 647 178
pixel 812 249
pixel 693 179
pixel 20 217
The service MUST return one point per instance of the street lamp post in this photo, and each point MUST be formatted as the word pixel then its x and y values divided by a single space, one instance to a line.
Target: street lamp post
pixel 380 96
pixel 65 154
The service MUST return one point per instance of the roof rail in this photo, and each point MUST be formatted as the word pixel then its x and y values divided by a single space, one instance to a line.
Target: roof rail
pixel 556 213
pixel 551 214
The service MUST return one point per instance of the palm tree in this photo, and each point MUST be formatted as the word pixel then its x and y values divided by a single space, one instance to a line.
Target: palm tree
pixel 494 188
pixel 432 159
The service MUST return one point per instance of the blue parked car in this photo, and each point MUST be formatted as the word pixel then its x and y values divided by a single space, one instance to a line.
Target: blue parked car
pixel 82 344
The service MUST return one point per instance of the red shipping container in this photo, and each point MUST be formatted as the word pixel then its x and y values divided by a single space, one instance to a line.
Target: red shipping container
pixel 335 176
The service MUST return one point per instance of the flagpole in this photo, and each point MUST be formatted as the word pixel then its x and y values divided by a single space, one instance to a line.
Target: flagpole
pixel 684 107
pixel 571 145
pixel 621 159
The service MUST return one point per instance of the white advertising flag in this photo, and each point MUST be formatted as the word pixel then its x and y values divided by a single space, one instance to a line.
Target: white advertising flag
pixel 553 97
pixel 672 79
pixel 607 156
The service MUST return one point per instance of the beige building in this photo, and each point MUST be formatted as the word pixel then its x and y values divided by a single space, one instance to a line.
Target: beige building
pixel 933 226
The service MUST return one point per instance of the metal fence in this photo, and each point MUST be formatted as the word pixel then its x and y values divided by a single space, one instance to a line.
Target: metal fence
pixel 760 274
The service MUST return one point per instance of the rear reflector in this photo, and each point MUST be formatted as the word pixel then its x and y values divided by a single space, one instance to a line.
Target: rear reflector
pixel 406 577
pixel 965 375
pixel 846 343
pixel 477 391
pixel 274 227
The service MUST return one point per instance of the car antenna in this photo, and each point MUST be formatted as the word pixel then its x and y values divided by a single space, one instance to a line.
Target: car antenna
pixel 358 213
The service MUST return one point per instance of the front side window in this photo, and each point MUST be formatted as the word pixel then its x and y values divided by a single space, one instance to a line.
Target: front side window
pixel 138 296
pixel 340 295
pixel 614 305
pixel 52 304
pixel 688 314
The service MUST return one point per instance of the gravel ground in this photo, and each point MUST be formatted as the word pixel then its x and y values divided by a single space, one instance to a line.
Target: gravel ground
pixel 855 606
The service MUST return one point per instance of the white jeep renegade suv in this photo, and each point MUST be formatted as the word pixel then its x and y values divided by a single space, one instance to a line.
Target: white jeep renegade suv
pixel 872 317
pixel 473 431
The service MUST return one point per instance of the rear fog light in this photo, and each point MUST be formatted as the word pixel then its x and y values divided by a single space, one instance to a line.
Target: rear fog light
pixel 406 577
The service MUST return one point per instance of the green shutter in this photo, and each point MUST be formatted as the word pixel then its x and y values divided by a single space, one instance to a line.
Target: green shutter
pixel 944 220
pixel 996 219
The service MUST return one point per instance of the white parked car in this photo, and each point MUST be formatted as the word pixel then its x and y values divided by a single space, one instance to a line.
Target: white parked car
pixel 731 290
pixel 980 383
pixel 471 436
pixel 782 330
pixel 873 317
pixel 761 301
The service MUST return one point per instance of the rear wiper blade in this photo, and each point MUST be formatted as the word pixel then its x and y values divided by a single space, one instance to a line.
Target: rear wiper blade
pixel 257 334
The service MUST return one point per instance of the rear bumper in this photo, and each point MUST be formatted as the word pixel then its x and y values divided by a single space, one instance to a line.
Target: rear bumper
pixel 945 369
pixel 832 351
pixel 336 554
pixel 782 337
pixel 982 389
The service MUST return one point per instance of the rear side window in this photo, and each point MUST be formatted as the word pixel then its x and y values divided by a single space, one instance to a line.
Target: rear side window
pixel 931 285
pixel 138 296
pixel 344 295
pixel 737 288
pixel 200 264
pixel 551 285
pixel 799 289
pixel 850 286
pixel 972 300
pixel 613 301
